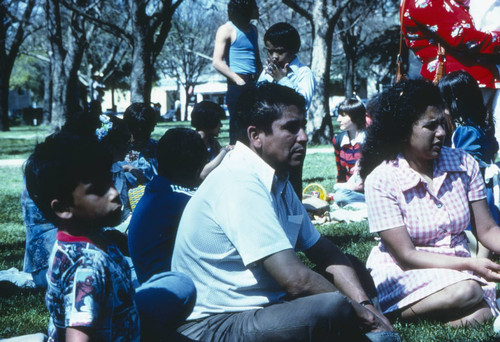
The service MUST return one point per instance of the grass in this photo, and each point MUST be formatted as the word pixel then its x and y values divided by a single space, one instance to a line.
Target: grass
pixel 21 312
pixel 24 312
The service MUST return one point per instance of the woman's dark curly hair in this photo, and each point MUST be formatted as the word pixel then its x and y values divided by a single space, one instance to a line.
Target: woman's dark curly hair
pixel 240 11
pixel 394 113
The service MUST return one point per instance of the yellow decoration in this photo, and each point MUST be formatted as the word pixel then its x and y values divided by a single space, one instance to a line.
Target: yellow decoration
pixel 134 195
pixel 315 187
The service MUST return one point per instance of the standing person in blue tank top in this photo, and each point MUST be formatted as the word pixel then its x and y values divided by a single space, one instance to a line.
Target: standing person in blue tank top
pixel 236 53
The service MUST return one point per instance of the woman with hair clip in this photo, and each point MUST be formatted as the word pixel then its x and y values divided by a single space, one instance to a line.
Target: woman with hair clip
pixel 420 198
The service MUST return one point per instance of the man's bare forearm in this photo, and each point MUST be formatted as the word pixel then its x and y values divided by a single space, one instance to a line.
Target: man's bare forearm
pixel 333 262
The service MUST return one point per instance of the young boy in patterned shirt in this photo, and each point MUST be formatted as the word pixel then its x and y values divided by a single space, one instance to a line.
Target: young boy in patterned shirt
pixel 90 294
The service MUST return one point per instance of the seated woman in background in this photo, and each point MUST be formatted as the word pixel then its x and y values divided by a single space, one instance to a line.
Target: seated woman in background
pixel 420 198
pixel 347 147
pixel 475 131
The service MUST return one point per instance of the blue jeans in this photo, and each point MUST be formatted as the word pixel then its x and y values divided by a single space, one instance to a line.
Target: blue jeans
pixel 345 196
pixel 164 301
pixel 233 94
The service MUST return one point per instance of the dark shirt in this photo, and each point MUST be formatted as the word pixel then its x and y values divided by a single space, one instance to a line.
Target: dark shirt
pixel 153 227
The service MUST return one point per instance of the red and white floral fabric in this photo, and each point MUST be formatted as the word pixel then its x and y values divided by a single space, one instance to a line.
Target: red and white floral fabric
pixel 429 22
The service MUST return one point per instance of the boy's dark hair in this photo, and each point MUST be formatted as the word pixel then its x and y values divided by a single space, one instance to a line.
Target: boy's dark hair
pixel 59 164
pixel 240 11
pixel 140 119
pixel 356 111
pixel 262 105
pixel 285 35
pixel 206 115
pixel 181 156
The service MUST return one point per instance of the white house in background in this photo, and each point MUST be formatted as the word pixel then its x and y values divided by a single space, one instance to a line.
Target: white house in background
pixel 167 91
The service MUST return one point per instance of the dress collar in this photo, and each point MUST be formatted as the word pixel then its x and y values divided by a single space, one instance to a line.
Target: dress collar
pixel 447 162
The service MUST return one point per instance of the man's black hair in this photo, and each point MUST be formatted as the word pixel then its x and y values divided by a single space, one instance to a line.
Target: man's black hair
pixel 140 119
pixel 260 106
pixel 59 164
pixel 240 11
pixel 285 35
pixel 181 156
pixel 206 115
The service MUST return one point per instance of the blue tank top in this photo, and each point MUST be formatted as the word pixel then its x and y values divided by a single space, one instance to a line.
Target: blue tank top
pixel 242 59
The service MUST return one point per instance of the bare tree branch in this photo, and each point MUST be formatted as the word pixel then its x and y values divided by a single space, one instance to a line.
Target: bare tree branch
pixel 299 9
pixel 19 35
pixel 104 25
pixel 165 28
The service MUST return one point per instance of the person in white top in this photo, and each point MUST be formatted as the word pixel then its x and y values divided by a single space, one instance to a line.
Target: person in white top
pixel 283 67
pixel 239 234
pixel 282 43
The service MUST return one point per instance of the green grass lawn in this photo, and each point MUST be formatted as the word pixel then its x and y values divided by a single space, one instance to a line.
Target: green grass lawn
pixel 24 312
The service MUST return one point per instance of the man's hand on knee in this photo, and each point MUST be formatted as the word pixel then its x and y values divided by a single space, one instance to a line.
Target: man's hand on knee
pixel 370 319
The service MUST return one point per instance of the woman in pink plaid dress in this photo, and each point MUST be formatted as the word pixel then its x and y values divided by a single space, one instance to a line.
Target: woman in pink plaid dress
pixel 421 197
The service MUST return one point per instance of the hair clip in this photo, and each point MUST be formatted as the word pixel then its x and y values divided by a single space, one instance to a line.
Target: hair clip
pixel 106 125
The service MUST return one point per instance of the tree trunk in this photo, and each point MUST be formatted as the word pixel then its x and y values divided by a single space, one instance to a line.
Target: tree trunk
pixel 59 82
pixel 184 111
pixel 56 54
pixel 65 59
pixel 7 57
pixel 141 74
pixel 4 99
pixel 349 76
pixel 320 128
pixel 4 74
pixel 47 95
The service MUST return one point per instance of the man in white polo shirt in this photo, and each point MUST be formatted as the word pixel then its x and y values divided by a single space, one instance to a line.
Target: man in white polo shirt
pixel 240 232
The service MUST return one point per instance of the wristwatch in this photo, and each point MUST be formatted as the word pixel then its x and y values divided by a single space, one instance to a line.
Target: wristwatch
pixel 366 302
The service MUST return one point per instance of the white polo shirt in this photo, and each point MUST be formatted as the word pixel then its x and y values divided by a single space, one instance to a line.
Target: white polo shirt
pixel 241 214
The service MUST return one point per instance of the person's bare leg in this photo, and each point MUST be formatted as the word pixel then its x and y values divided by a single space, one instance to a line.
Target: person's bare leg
pixel 478 315
pixel 459 302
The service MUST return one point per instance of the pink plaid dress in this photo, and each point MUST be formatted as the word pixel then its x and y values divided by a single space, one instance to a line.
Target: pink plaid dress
pixel 397 196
